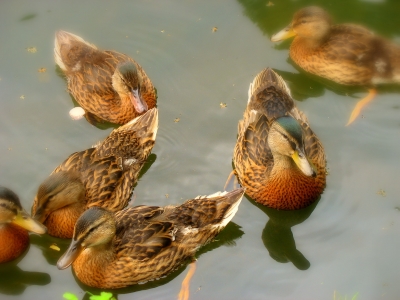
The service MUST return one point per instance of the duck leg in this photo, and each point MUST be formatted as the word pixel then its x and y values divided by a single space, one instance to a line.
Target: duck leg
pixel 360 104
pixel 232 182
pixel 184 292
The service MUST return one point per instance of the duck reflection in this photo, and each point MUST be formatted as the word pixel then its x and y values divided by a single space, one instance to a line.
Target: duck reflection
pixel 14 281
pixel 278 237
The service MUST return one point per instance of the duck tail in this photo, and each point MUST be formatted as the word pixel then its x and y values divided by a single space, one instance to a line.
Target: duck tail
pixel 62 45
pixel 216 209
pixel 132 141
pixel 267 78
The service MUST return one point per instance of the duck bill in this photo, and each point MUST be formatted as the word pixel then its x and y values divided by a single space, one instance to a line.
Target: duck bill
pixel 75 248
pixel 284 34
pixel 303 164
pixel 24 220
pixel 40 215
pixel 137 101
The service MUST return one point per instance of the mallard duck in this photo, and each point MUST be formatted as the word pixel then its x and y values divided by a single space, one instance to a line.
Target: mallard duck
pixel 346 53
pixel 14 225
pixel 108 85
pixel 138 244
pixel 277 157
pixel 103 175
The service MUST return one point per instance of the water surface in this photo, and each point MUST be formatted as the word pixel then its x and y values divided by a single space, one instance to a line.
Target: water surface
pixel 346 243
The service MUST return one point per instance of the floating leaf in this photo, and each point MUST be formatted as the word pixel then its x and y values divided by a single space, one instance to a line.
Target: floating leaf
pixel 177 120
pixel 214 29
pixel 42 70
pixel 222 105
pixel 28 17
pixel 31 49
pixel 102 296
pixel 382 193
pixel 54 246
pixel 70 296
pixel 22 97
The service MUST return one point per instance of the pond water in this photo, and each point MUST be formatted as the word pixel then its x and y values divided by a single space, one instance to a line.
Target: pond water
pixel 345 244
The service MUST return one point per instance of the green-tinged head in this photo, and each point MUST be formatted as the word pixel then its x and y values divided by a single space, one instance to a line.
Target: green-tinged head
pixel 286 138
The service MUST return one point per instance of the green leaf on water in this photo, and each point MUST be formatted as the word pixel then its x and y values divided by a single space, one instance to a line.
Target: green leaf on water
pixel 70 296
pixel 102 296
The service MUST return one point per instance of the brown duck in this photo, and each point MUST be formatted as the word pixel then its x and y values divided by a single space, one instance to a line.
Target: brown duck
pixel 277 157
pixel 143 243
pixel 100 176
pixel 14 226
pixel 345 53
pixel 108 85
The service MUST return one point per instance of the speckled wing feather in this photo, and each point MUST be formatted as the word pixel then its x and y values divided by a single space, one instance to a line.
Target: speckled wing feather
pixel 313 147
pixel 110 170
pixel 134 140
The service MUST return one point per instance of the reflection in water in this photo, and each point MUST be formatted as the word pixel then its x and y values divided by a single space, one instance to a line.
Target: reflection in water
pixel 278 237
pixel 226 237
pixel 45 241
pixel 14 281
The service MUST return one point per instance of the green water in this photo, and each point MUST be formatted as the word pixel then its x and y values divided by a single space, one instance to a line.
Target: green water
pixel 347 242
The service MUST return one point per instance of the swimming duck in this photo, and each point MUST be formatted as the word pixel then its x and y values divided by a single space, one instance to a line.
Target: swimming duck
pixel 345 53
pixel 14 225
pixel 277 157
pixel 138 244
pixel 103 175
pixel 108 85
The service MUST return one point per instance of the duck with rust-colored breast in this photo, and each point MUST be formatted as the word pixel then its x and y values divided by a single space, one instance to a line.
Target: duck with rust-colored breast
pixel 345 53
pixel 108 85
pixel 14 226
pixel 277 157
pixel 103 175
pixel 142 243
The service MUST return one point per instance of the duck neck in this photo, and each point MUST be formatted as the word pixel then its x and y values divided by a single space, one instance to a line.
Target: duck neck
pixel 91 265
pixel 282 163
pixel 60 223
pixel 287 187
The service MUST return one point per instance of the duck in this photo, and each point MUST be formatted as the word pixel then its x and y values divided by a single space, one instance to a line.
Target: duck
pixel 103 175
pixel 348 54
pixel 277 157
pixel 108 85
pixel 114 250
pixel 15 223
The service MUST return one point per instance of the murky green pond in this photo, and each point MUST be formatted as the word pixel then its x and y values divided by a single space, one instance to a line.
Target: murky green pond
pixel 347 243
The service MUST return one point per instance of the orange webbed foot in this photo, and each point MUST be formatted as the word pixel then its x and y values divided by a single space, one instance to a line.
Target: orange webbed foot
pixel 184 292
pixel 360 104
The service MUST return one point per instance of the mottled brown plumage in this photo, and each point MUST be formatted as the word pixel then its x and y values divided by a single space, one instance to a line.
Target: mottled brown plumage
pixel 14 226
pixel 143 243
pixel 100 176
pixel 277 157
pixel 108 85
pixel 346 53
